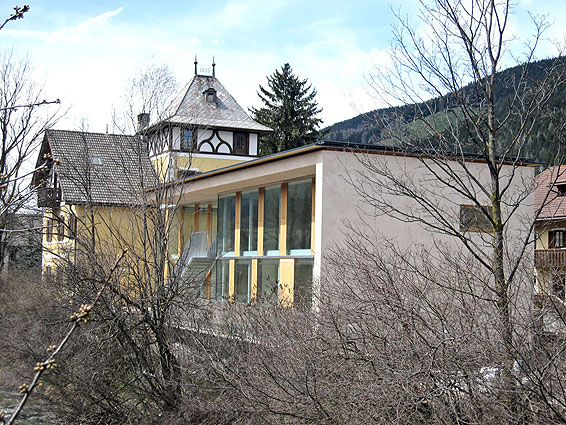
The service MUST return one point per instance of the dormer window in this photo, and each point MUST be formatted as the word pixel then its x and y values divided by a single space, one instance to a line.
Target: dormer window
pixel 210 95
pixel 561 189
pixel 95 160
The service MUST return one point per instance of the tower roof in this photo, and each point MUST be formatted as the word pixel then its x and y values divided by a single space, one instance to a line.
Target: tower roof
pixel 205 102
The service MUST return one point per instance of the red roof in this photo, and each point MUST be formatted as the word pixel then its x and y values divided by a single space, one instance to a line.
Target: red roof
pixel 547 196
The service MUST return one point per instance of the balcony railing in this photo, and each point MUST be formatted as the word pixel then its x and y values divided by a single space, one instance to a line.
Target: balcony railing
pixel 550 258
pixel 48 197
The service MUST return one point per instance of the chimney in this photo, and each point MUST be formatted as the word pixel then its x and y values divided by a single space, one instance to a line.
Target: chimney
pixel 143 121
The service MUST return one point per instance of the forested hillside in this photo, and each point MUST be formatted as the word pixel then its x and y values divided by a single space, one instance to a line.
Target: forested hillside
pixel 544 144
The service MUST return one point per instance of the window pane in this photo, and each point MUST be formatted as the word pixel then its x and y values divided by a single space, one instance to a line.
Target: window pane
pixel 299 209
pixel 272 206
pixel 248 222
pixel 303 283
pixel 268 281
pixel 221 291
pixel 187 142
pixel 475 219
pixel 242 280
pixel 226 224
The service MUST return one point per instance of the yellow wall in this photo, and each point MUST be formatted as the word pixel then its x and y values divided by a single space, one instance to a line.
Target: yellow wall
pixel 204 164
pixel 115 229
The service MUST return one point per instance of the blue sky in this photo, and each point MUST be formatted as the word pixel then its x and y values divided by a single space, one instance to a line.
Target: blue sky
pixel 84 51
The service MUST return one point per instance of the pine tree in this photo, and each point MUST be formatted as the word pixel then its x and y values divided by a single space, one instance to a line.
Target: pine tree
pixel 290 110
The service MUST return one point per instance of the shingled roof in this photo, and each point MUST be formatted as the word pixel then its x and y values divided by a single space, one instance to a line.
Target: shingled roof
pixel 548 196
pixel 190 107
pixel 97 168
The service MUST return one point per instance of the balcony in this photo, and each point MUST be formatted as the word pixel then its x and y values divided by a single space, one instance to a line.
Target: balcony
pixel 550 258
pixel 48 197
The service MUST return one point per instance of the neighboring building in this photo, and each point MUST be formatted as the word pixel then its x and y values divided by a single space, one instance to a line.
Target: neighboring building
pixel 91 183
pixel 21 241
pixel 87 185
pixel 550 252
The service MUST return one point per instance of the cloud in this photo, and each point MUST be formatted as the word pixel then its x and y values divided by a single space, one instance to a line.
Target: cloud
pixel 88 28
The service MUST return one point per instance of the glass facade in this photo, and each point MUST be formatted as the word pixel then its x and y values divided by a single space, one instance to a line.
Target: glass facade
pixel 226 224
pixel 242 281
pixel 299 208
pixel 268 281
pixel 302 290
pixel 221 290
pixel 251 265
pixel 248 223
pixel 271 217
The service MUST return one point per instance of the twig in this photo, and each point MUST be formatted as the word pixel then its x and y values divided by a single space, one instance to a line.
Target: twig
pixel 18 14
pixel 49 363
pixel 31 105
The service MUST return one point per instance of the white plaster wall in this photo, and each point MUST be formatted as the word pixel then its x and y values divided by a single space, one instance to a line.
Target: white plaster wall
pixel 228 137
pixel 341 203
pixel 176 138
pixel 203 134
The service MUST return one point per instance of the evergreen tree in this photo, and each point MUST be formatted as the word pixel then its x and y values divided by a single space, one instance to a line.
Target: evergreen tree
pixel 290 110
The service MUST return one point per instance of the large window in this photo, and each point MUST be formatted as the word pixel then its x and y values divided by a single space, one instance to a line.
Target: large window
pixel 226 224
pixel 302 296
pixel 271 213
pixel 248 223
pixel 299 210
pixel 221 291
pixel 286 249
pixel 268 281
pixel 557 239
pixel 242 280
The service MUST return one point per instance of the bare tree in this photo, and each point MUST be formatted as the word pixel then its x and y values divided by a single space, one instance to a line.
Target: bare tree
pixel 457 61
pixel 23 119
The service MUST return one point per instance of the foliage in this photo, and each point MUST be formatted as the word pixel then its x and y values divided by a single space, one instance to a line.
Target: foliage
pixel 543 145
pixel 290 109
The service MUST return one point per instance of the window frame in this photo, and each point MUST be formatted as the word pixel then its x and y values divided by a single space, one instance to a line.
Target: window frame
pixel 552 239
pixel 246 149
pixel 193 141
pixel 484 227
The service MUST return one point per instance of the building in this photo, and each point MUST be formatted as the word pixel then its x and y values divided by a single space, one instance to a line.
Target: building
pixel 550 252
pixel 275 221
pixel 88 184
pixel 203 129
pixel 249 229
pixel 21 241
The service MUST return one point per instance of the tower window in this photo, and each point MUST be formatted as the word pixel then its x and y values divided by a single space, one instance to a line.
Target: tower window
pixel 241 143
pixel 188 140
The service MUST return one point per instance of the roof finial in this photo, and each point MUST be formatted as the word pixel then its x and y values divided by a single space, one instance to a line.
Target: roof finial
pixel 213 65
pixel 196 62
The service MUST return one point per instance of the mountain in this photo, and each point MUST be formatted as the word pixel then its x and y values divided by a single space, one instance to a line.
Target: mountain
pixel 544 144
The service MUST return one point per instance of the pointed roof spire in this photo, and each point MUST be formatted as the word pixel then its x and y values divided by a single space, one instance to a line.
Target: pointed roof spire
pixel 196 62
pixel 213 70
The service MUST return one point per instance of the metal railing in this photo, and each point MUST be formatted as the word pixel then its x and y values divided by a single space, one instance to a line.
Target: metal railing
pixel 197 247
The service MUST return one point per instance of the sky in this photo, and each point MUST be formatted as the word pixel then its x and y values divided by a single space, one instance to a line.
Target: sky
pixel 84 52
